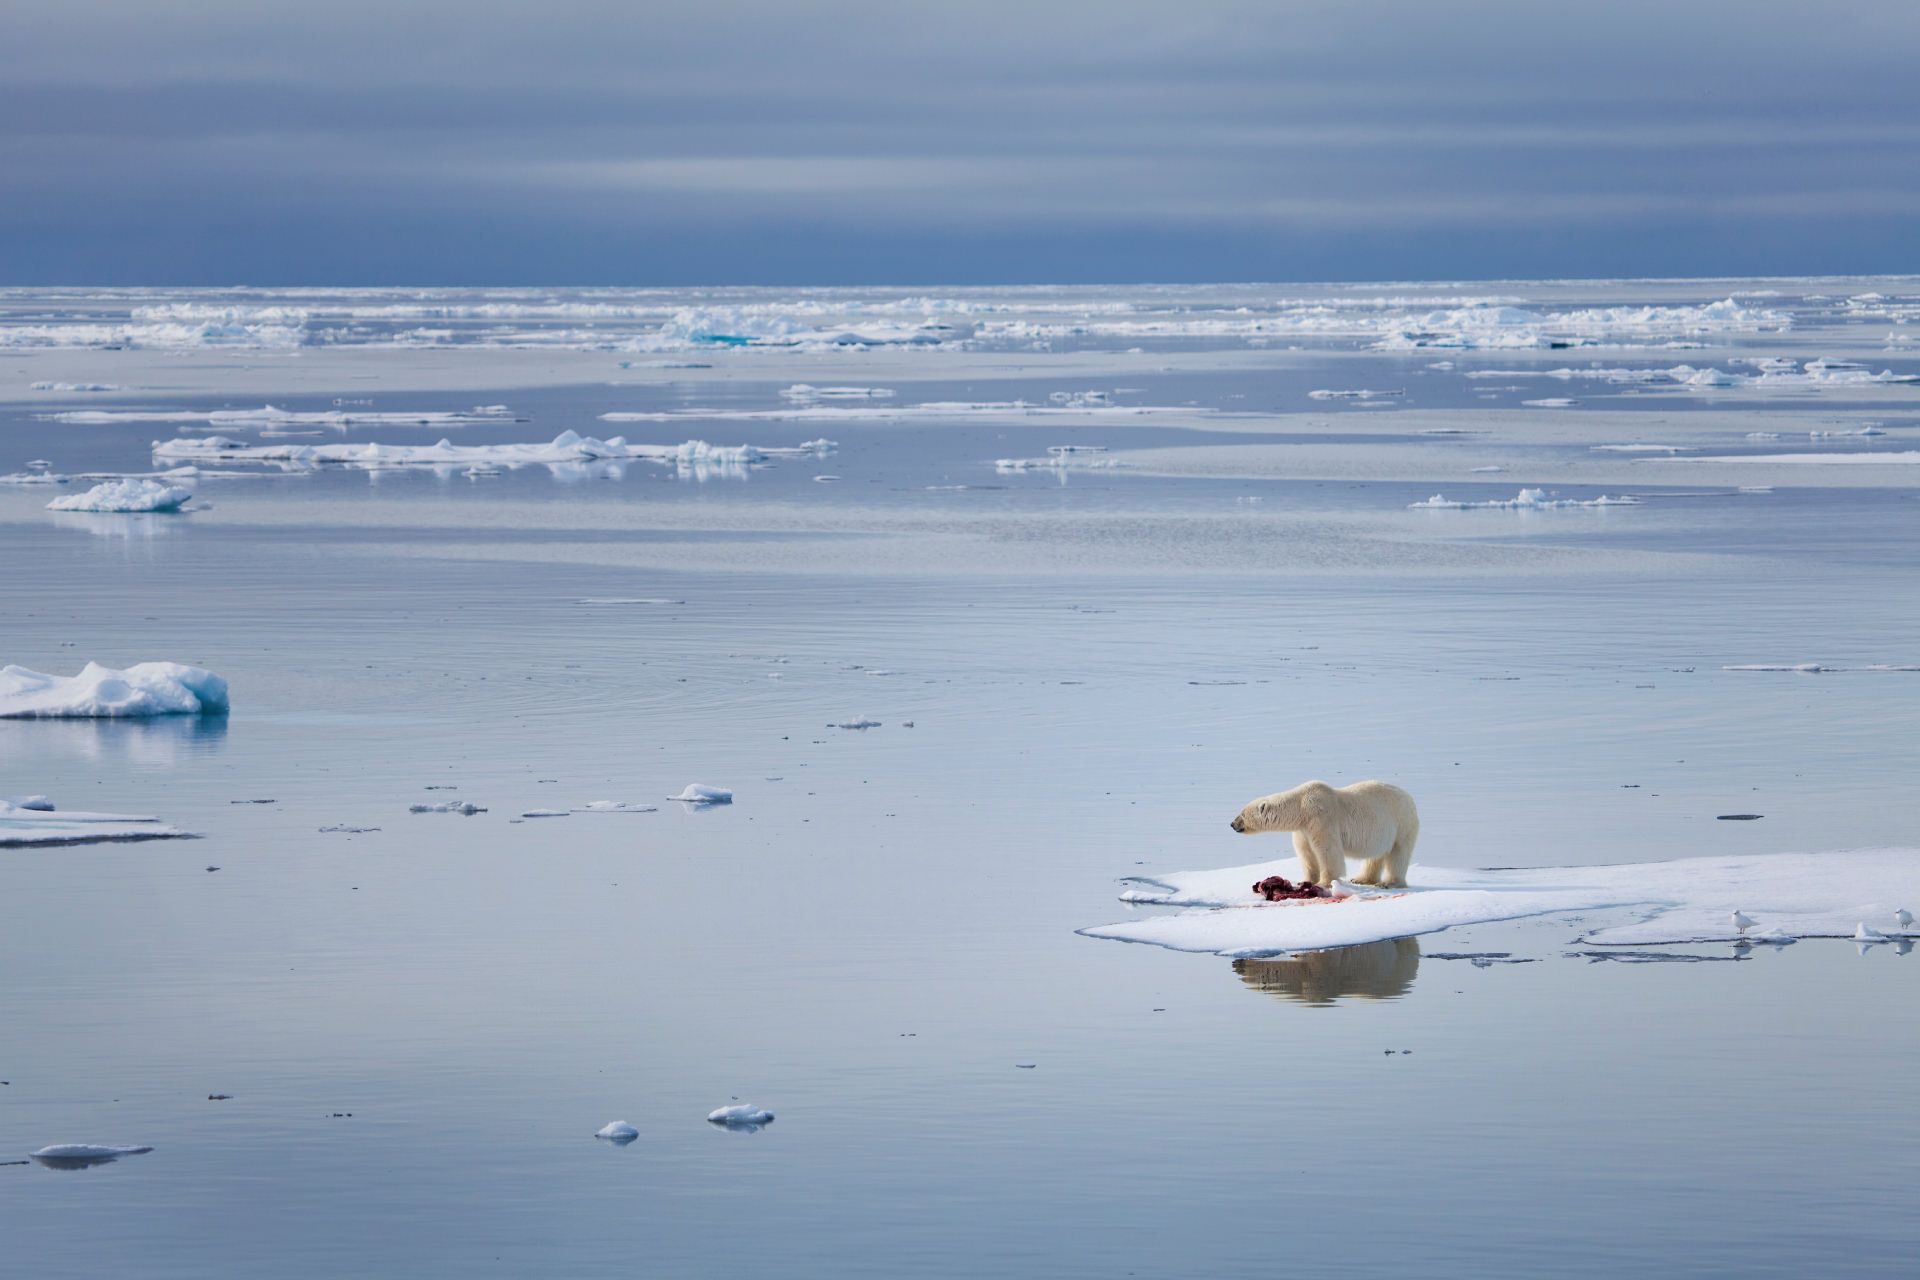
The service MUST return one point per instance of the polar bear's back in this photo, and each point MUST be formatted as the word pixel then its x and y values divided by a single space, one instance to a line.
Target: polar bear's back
pixel 1373 816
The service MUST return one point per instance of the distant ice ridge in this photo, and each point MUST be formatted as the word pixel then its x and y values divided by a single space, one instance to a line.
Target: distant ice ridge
pixel 125 495
pixel 806 391
pixel 33 820
pixel 1907 458
pixel 1816 668
pixel 146 689
pixel 74 386
pixel 1059 458
pixel 1773 375
pixel 1790 895
pixel 269 416
pixel 568 446
pixel 1525 500
pixel 801 412
pixel 1353 395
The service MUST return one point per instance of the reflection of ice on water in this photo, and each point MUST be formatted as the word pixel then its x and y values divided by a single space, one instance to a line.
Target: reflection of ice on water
pixel 152 743
pixel 1372 971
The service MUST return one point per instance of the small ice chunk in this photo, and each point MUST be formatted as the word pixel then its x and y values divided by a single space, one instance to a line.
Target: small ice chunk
pixel 618 1131
pixel 740 1115
pixel 1867 933
pixel 74 1155
pixel 547 813
pixel 699 793
pixel 125 495
pixel 616 806
pixel 466 807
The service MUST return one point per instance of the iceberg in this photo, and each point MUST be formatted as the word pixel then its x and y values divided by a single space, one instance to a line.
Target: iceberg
pixel 618 1132
pixel 146 689
pixel 700 794
pixel 741 1116
pixel 1789 895
pixel 132 494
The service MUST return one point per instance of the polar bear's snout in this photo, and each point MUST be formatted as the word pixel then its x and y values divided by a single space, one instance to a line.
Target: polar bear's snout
pixel 1239 824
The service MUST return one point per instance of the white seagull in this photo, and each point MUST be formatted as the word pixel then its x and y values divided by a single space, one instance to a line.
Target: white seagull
pixel 1903 918
pixel 1742 921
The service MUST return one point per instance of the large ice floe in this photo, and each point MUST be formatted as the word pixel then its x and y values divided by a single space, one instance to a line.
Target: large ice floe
pixel 145 689
pixel 1908 457
pixel 131 494
pixel 568 446
pixel 1772 374
pixel 807 411
pixel 32 820
pixel 269 416
pixel 1525 500
pixel 1783 895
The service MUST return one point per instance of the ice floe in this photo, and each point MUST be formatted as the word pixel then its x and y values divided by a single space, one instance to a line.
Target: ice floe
pixel 568 446
pixel 1815 668
pixel 806 391
pixel 807 411
pixel 125 495
pixel 619 1132
pixel 1525 500
pixel 740 1116
pixel 1794 895
pixel 74 386
pixel 1907 458
pixel 466 807
pixel 616 806
pixel 1353 395
pixel 145 689
pixel 269 416
pixel 701 794
pixel 78 1155
pixel 32 820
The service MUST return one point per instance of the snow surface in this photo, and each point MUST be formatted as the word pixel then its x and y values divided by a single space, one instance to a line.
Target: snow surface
pixel 125 495
pixel 1525 500
pixel 699 793
pixel 1906 458
pixel 32 820
pixel 1788 895
pixel 146 689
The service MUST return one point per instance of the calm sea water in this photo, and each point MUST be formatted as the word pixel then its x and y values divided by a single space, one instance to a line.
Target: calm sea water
pixel 1075 678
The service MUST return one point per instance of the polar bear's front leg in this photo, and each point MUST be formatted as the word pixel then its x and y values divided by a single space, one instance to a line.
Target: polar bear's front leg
pixel 1309 860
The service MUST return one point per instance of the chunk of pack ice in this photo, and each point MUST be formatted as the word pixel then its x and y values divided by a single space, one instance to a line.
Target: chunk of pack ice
pixel 698 793
pixel 1525 500
pixel 75 1154
pixel 32 820
pixel 619 1131
pixel 616 806
pixel 466 807
pixel 125 495
pixel 740 1116
pixel 145 689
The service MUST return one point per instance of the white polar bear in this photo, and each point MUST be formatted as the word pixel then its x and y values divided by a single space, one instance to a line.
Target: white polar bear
pixel 1372 821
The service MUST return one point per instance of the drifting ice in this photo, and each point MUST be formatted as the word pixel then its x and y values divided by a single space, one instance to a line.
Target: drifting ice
pixel 147 689
pixel 696 793
pixel 125 495
pixel 1525 500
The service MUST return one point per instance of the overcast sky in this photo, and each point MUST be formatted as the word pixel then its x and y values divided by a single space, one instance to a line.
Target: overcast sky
pixel 818 142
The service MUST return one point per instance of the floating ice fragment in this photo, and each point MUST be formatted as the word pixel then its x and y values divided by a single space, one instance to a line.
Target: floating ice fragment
pixel 698 793
pixel 125 495
pixel 616 806
pixel 1353 395
pixel 466 807
pixel 619 1131
pixel 145 689
pixel 740 1115
pixel 547 813
pixel 1867 933
pixel 32 820
pixel 78 1155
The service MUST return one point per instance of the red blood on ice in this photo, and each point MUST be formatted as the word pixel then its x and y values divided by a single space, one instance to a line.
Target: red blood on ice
pixel 1279 889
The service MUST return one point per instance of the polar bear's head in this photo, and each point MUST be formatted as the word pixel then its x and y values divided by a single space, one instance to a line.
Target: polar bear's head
pixel 1281 811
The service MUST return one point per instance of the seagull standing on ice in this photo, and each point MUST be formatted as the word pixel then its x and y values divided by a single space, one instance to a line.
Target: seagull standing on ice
pixel 1867 933
pixel 1903 918
pixel 1742 921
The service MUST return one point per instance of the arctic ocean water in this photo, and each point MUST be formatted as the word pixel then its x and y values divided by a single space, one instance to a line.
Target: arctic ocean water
pixel 1079 671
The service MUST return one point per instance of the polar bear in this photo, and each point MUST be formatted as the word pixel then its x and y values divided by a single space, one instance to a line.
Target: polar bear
pixel 1373 821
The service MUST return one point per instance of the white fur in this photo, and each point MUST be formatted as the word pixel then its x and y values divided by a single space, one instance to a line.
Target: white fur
pixel 1375 822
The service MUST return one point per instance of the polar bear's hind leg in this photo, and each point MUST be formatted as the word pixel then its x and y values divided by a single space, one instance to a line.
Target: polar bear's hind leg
pixel 1370 871
pixel 1400 859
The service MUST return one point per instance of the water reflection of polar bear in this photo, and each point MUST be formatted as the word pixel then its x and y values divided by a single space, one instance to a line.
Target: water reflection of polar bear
pixel 1372 971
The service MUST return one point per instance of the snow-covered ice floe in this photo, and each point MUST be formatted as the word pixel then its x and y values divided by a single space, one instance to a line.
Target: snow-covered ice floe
pixel 806 391
pixel 805 411
pixel 742 1116
pixel 1908 457
pixel 32 820
pixel 125 495
pixel 1525 500
pixel 699 793
pixel 74 386
pixel 568 446
pixel 1816 668
pixel 270 416
pixel 145 689
pixel 466 807
pixel 1785 895
pixel 1359 394
pixel 618 1132
pixel 616 806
